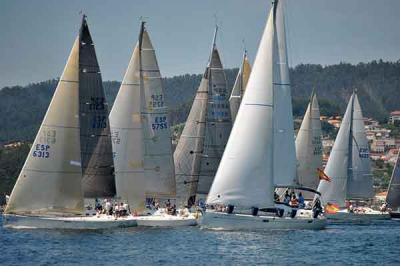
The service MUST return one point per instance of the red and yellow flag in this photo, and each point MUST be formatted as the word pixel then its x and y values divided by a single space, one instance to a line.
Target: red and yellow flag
pixel 322 175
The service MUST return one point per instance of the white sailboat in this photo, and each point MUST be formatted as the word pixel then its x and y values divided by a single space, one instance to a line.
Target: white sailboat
pixel 240 86
pixel 350 171
pixel 245 181
pixel 71 156
pixel 144 167
pixel 309 148
pixel 205 134
pixel 393 194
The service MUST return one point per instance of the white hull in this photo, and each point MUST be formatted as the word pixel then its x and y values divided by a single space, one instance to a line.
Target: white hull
pixel 166 221
pixel 75 223
pixel 246 222
pixel 349 217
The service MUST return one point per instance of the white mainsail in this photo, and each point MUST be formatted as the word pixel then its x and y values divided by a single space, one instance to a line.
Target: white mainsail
pixel 348 165
pixel 158 160
pixel 309 146
pixel 141 131
pixel 245 174
pixel 240 86
pixel 360 182
pixel 50 180
pixel 199 151
pixel 284 156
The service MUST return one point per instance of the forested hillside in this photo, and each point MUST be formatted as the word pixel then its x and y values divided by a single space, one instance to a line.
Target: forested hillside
pixel 378 84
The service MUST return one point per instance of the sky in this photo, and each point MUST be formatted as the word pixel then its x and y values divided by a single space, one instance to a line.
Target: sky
pixel 36 36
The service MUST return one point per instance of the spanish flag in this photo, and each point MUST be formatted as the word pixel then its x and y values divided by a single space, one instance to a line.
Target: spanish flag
pixel 322 175
pixel 331 208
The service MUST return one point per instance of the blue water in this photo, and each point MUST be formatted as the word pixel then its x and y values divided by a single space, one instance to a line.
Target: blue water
pixel 376 244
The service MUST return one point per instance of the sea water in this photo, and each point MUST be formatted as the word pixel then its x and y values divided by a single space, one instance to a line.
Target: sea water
pixel 373 244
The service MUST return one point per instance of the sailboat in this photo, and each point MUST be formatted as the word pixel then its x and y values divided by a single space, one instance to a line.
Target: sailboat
pixel 242 194
pixel 393 194
pixel 71 156
pixel 205 134
pixel 350 172
pixel 240 86
pixel 309 148
pixel 141 137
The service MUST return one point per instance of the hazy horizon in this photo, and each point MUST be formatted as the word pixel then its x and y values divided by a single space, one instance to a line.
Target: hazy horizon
pixel 37 37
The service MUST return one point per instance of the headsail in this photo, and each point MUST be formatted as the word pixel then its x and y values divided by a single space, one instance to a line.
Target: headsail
pixel 127 137
pixel 393 194
pixel 245 174
pixel 196 173
pixel 50 180
pixel 188 153
pixel 96 150
pixel 309 147
pixel 240 86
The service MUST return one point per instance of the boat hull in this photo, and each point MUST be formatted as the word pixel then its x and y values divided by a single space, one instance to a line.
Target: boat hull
pixel 73 223
pixel 395 215
pixel 348 217
pixel 165 221
pixel 242 222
